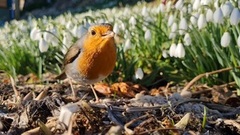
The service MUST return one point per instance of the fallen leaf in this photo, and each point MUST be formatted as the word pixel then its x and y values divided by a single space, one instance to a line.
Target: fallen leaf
pixel 122 89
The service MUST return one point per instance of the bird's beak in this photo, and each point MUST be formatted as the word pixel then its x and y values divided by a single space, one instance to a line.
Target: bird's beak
pixel 108 34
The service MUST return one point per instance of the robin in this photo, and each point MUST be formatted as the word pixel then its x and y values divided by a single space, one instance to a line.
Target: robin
pixel 92 58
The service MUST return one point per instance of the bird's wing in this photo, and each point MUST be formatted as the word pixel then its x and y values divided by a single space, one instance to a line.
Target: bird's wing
pixel 72 54
pixel 73 51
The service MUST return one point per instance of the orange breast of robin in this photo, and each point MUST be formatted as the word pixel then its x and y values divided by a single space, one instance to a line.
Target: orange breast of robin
pixel 97 59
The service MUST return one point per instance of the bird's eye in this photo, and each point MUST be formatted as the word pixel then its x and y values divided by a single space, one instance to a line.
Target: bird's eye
pixel 93 32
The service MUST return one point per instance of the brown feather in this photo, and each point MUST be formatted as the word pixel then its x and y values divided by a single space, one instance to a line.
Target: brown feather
pixel 62 76
pixel 72 54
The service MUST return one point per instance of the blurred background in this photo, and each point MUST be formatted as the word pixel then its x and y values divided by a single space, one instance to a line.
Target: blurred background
pixel 21 9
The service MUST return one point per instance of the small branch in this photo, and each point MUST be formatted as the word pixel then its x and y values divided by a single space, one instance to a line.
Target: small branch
pixel 208 89
pixel 16 92
pixel 206 74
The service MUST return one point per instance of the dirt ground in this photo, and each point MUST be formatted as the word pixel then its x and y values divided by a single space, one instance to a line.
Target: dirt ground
pixel 48 107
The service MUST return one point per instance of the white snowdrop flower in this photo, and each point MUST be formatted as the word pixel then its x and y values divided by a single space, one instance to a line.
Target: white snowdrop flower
pixel 69 25
pixel 47 36
pixel 189 8
pixel 35 34
pixel 226 39
pixel 139 73
pixel 161 8
pixel 238 41
pixel 201 21
pixel 183 26
pixel 206 2
pixel 216 4
pixel 180 51
pixel 218 16
pixel 43 45
pixel 172 35
pixel 127 45
pixel 165 53
pixel 116 28
pixel 194 19
pixel 144 11
pixel 79 31
pixel 87 25
pixel 144 27
pixel 14 35
pixel 101 20
pixel 62 20
pixel 133 20
pixel 74 30
pixel 227 8
pixel 126 11
pixel 196 4
pixel 67 39
pixel 174 27
pixel 187 39
pixel 54 31
pixel 64 49
pixel 235 17
pixel 168 6
pixel 172 50
pixel 179 4
pixel 54 41
pixel 147 35
pixel 184 10
pixel 170 20
pixel 122 26
pixel 22 26
pixel 127 35
pixel 209 15
pixel 148 19
pixel 53 36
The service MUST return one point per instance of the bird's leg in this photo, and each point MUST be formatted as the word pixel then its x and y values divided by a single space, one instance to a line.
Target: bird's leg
pixel 94 92
pixel 73 91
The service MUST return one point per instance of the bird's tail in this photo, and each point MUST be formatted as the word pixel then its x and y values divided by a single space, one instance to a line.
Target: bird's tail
pixel 62 76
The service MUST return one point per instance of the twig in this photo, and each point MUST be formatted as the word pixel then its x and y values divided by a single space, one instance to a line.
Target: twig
pixel 208 89
pixel 131 109
pixel 129 131
pixel 139 109
pixel 16 92
pixel 206 74
pixel 160 129
pixel 36 131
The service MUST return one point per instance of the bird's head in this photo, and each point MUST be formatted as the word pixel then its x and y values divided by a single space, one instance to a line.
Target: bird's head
pixel 99 35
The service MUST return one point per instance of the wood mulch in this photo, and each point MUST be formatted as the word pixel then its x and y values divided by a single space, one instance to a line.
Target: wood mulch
pixel 124 108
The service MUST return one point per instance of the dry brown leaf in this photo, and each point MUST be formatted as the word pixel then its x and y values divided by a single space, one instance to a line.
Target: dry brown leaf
pixel 123 89
pixel 42 95
pixel 217 97
pixel 103 89
pixel 126 89
pixel 167 123
pixel 182 124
